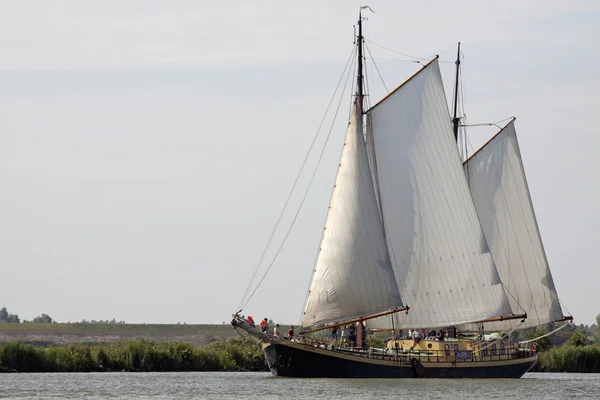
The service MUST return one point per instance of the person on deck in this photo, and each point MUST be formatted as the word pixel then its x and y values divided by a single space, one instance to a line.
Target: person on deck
pixel 264 326
pixel 344 335
pixel 442 335
pixel 291 332
pixel 363 334
pixel 417 336
pixel 276 331
pixel 334 335
pixel 250 321
pixel 352 336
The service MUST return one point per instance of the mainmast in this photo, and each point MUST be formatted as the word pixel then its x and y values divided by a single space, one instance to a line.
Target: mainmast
pixel 455 118
pixel 359 77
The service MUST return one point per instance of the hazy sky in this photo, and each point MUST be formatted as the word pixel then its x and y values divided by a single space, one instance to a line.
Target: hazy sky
pixel 146 147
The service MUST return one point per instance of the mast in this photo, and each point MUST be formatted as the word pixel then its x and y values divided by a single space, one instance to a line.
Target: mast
pixel 360 96
pixel 359 77
pixel 455 118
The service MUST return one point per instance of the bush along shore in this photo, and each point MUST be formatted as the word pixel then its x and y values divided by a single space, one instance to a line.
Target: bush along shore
pixel 570 359
pixel 136 356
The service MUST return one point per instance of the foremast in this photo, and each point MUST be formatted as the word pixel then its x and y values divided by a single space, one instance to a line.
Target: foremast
pixel 455 117
pixel 360 105
pixel 359 75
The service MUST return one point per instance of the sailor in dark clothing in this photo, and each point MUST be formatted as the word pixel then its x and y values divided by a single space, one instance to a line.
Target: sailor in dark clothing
pixel 352 335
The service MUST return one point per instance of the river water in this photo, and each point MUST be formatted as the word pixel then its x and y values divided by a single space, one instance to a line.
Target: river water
pixel 250 385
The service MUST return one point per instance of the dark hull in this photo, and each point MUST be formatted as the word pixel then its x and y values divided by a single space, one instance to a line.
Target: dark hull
pixel 297 360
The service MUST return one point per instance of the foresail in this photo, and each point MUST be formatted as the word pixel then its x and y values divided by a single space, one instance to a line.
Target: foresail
pixel 442 268
pixel 499 189
pixel 353 275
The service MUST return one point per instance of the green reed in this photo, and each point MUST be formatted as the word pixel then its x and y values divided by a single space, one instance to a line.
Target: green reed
pixel 136 355
pixel 570 359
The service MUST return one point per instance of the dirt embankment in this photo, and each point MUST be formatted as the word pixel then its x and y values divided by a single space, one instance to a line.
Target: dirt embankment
pixel 63 334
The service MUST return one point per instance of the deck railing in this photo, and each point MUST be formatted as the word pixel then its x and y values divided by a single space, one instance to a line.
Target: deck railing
pixel 483 352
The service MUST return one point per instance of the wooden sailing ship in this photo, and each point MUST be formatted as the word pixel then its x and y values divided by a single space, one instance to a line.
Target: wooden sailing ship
pixel 417 237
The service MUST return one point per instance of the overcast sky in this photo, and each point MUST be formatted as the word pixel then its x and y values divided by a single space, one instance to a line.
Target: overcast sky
pixel 146 147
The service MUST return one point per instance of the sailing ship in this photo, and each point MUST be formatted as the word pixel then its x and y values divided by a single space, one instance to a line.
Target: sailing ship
pixel 418 237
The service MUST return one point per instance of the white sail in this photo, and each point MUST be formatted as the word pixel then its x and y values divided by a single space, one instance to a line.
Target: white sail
pixel 443 269
pixel 499 189
pixel 353 275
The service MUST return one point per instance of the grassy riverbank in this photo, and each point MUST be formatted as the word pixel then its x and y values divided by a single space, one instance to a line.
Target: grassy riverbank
pixel 570 359
pixel 138 355
pixel 234 354
pixel 71 333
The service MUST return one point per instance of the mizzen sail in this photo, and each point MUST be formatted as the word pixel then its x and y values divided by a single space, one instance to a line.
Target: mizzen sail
pixel 499 190
pixel 353 276
pixel 442 268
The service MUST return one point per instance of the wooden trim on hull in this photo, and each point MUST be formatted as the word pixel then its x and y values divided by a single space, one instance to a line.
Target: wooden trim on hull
pixel 297 360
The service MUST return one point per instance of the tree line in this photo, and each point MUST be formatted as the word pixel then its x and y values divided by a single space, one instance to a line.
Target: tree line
pixel 6 317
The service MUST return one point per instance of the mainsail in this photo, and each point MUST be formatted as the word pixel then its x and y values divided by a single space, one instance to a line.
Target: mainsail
pixel 353 276
pixel 433 234
pixel 499 190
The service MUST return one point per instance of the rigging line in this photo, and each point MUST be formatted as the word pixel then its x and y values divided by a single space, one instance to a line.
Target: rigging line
pixel 496 124
pixel 376 68
pixel 303 198
pixel 370 87
pixel 547 334
pixel 563 306
pixel 397 52
pixel 470 144
pixel 256 269
pixel 397 60
pixel 464 111
pixel 482 124
pixel 353 67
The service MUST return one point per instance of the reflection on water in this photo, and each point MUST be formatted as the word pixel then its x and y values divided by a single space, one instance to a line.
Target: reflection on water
pixel 231 385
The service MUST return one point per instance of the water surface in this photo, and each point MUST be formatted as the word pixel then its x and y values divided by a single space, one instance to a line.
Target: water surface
pixel 232 385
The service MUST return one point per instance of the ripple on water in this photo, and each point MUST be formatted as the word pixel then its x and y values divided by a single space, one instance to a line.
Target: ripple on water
pixel 233 385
